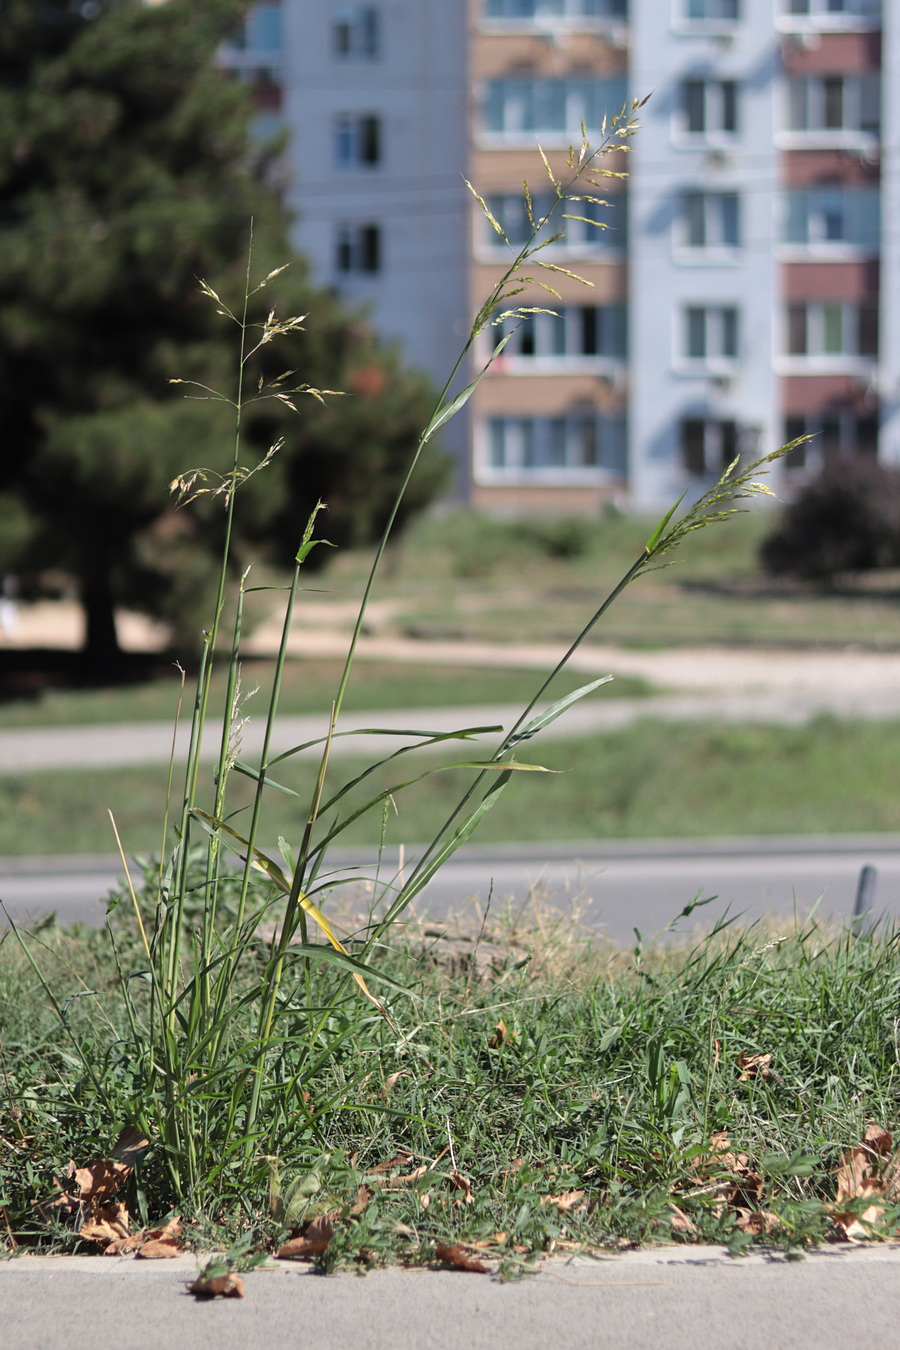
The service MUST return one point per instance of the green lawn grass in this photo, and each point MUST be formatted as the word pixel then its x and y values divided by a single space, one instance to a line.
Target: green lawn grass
pixel 466 576
pixel 569 1090
pixel 651 779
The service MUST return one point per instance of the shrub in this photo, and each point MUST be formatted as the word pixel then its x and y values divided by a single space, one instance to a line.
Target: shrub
pixel 845 520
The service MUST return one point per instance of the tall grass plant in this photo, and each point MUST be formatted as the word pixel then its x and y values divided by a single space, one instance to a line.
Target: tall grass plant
pixel 239 995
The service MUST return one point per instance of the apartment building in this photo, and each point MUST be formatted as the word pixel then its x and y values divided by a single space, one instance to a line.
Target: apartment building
pixel 739 285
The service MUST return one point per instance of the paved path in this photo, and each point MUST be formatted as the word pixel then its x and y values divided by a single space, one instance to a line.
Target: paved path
pixel 107 746
pixel 677 1298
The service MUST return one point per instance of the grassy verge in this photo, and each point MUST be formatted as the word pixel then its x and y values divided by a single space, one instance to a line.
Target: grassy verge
pixel 308 687
pixel 542 1092
pixel 466 576
pixel 651 779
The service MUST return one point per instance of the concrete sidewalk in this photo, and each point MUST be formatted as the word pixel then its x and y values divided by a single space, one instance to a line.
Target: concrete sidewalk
pixel 674 1298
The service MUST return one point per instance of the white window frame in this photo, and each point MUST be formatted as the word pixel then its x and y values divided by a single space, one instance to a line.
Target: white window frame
pixel 557 341
pixel 717 454
pixel 540 433
pixel 714 108
pixel 717 320
pixel 850 135
pixel 350 241
pixel 860 202
pixel 553 16
pixel 814 454
pixel 858 16
pixel 817 360
pixel 347 128
pixel 711 207
pixel 354 20
pixel 242 46
pixel 570 88
pixel 716 21
pixel 580 240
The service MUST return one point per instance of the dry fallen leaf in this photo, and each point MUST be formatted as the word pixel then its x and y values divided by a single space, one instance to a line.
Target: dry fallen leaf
pixel 312 1241
pixel 865 1173
pixel 757 1222
pixel 753 1066
pixel 681 1223
pixel 159 1243
pixel 456 1256
pixel 229 1286
pixel 501 1035
pixel 566 1201
pixel 462 1184
pixel 107 1224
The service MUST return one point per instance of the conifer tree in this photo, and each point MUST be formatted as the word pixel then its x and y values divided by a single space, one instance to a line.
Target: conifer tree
pixel 127 173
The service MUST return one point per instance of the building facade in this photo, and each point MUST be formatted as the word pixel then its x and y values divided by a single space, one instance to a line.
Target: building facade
pixel 741 283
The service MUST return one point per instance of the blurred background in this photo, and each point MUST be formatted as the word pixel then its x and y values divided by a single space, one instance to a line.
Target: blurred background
pixel 740 266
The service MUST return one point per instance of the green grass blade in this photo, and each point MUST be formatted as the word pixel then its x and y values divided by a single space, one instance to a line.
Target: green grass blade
pixel 555 710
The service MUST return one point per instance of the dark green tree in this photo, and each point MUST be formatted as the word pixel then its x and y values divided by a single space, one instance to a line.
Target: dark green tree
pixel 127 173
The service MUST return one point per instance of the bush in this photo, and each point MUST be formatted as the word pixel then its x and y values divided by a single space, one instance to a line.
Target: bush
pixel 845 520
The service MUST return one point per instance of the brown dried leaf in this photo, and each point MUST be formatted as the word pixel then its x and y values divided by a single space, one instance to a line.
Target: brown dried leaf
pixel 312 1241
pixel 229 1286
pixel 854 1170
pixel 158 1243
pixel 566 1201
pixel 99 1181
pixel 129 1145
pixel 107 1223
pixel 681 1222
pixel 398 1183
pixel 757 1222
pixel 501 1035
pixel 462 1184
pixel 852 1227
pixel 456 1256
pixel 753 1066
pixel 878 1140
pixel 399 1160
pixel 363 1196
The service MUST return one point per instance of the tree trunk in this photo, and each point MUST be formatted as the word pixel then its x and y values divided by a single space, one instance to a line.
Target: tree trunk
pixel 101 642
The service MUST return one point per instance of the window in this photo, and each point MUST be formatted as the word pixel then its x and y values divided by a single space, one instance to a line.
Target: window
pixel 711 333
pixel 710 220
pixel 849 8
pixel 831 103
pixel 355 33
pixel 835 433
pixel 708 445
pixel 716 10
pixel 523 106
pixel 709 107
pixel 357 248
pixel 555 447
pixel 266 88
pixel 608 232
pixel 357 140
pixel 828 216
pixel 574 332
pixel 552 9
pixel 262 30
pixel 825 328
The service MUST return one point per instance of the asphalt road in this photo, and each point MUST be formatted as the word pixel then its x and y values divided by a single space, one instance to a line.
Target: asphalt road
pixel 682 1298
pixel 616 886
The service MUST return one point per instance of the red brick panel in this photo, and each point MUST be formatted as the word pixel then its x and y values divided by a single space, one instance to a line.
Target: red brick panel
pixel 830 281
pixel 832 54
